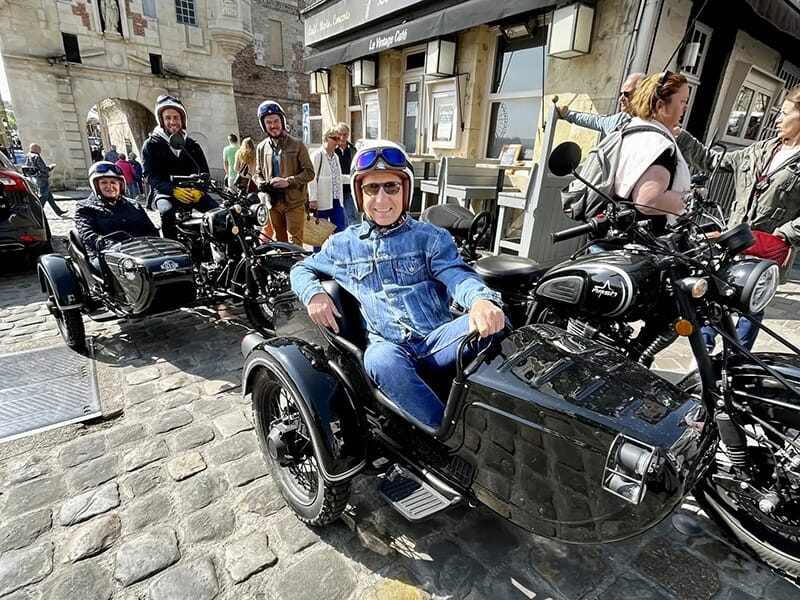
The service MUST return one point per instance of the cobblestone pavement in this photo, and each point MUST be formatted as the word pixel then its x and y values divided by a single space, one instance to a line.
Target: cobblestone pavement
pixel 167 497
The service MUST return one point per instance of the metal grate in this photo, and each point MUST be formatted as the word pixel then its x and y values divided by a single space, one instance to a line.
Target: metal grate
pixel 45 388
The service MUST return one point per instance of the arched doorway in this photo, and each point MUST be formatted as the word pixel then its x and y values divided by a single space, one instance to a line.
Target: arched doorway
pixel 119 122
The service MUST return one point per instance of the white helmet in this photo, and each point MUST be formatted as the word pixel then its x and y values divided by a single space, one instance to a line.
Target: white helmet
pixel 382 155
pixel 105 168
pixel 165 101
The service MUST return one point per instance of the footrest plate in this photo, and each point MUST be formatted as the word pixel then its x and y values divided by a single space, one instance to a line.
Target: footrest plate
pixel 410 496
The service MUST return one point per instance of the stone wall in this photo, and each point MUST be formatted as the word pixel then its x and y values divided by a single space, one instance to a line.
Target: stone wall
pixel 256 78
pixel 52 97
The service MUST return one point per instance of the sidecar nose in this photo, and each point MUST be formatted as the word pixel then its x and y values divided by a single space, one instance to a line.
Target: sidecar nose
pixel 250 341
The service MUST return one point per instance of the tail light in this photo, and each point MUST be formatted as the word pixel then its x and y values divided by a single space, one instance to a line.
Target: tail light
pixel 12 181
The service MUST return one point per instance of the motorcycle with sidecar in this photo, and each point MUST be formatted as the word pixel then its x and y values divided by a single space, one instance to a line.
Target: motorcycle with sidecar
pixel 563 435
pixel 219 256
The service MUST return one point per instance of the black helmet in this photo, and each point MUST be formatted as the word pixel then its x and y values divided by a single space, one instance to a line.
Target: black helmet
pixel 381 155
pixel 104 168
pixel 270 107
pixel 165 101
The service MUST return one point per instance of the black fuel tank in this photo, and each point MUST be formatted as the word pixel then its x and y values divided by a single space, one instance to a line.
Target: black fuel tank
pixel 617 284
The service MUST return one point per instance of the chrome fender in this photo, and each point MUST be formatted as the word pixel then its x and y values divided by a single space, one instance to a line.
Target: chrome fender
pixel 335 424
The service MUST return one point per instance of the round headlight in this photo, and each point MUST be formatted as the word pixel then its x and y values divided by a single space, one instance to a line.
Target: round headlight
pixel 261 214
pixel 754 282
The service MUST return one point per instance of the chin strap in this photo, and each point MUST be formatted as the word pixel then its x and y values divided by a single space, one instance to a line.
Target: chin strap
pixel 383 230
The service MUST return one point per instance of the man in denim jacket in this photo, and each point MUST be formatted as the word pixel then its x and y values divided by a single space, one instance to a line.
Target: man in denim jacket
pixel 403 273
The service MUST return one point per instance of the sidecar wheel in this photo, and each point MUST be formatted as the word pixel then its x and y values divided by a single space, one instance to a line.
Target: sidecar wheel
pixel 259 310
pixel 70 323
pixel 314 501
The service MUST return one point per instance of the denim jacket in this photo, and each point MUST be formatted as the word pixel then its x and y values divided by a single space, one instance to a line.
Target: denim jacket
pixel 404 278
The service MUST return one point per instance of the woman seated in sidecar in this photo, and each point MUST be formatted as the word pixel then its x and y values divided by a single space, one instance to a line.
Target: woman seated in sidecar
pixel 403 273
pixel 108 211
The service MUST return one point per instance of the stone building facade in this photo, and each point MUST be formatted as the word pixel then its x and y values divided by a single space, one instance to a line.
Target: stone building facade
pixel 271 67
pixel 119 55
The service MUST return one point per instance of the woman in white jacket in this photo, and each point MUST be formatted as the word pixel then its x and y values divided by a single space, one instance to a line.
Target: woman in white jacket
pixel 325 191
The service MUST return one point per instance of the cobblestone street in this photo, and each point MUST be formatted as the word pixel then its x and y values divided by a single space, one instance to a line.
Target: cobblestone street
pixel 167 497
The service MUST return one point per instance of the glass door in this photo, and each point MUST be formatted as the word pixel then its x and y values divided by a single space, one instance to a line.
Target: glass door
pixel 412 107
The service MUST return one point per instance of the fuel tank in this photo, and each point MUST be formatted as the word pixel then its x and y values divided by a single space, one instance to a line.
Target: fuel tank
pixel 620 284
pixel 150 275
pixel 571 440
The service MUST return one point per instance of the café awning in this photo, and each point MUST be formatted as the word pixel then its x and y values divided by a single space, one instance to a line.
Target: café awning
pixel 399 31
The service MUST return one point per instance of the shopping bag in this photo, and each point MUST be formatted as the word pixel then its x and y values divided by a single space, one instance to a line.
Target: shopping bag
pixel 317 230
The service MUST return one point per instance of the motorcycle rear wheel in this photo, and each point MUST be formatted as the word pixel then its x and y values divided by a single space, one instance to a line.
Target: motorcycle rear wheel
pixel 259 313
pixel 778 550
pixel 314 501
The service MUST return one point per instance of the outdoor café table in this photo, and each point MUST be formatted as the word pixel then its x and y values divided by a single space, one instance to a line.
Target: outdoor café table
pixel 426 160
pixel 501 178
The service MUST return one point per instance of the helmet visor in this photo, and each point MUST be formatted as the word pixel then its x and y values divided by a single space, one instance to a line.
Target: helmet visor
pixel 167 98
pixel 391 156
pixel 269 108
pixel 103 169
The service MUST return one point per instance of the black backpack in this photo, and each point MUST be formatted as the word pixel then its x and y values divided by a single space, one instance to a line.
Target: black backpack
pixel 578 200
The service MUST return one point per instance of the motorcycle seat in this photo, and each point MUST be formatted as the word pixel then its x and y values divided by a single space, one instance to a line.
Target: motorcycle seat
pixel 453 217
pixel 505 272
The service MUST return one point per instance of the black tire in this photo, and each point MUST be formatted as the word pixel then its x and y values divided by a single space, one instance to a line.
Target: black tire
pixel 314 501
pixel 259 311
pixel 70 323
pixel 775 548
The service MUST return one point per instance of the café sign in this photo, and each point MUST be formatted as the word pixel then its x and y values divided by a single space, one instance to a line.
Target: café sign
pixel 345 15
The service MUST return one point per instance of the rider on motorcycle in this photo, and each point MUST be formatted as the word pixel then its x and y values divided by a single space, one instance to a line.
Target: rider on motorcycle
pixel 107 210
pixel 403 273
pixel 160 161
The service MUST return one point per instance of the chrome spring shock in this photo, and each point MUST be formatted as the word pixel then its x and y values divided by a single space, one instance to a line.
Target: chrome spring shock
pixel 662 341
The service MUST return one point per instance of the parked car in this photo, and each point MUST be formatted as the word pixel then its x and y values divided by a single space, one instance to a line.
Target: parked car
pixel 24 231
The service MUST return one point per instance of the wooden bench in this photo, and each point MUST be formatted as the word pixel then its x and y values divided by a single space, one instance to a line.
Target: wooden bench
pixel 431 186
pixel 423 186
pixel 467 184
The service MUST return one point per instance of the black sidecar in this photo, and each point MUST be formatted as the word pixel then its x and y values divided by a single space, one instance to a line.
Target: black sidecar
pixel 556 433
pixel 137 277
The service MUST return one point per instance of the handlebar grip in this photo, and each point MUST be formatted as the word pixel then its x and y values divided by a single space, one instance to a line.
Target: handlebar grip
pixel 572 232
pixel 179 178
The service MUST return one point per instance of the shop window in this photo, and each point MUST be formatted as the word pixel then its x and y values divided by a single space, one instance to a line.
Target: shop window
pixel 149 9
pixel 515 98
pixel 701 35
pixel 275 43
pixel 748 104
pixel 354 112
pixel 415 60
pixel 372 115
pixel 185 12
pixel 411 114
pixel 445 114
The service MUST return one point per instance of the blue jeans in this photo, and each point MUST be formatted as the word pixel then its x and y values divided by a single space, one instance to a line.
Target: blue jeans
pixel 46 196
pixel 745 329
pixel 400 370
pixel 335 215
pixel 351 215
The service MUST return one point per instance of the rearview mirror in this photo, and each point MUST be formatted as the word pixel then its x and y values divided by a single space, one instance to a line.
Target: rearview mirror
pixel 564 159
pixel 177 141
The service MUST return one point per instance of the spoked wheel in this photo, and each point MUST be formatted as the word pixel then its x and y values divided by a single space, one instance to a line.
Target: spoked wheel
pixel 283 434
pixel 70 323
pixel 773 537
pixel 259 310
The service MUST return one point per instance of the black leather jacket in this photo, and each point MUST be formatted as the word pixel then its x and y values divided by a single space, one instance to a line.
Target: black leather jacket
pixel 95 218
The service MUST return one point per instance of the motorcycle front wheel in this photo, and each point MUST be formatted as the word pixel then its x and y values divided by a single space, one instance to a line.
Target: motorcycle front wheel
pixel 70 323
pixel 259 312
pixel 283 434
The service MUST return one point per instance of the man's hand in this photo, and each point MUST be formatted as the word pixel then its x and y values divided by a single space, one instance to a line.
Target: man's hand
pixel 279 183
pixel 264 187
pixel 323 311
pixel 562 111
pixel 486 317
pixel 184 195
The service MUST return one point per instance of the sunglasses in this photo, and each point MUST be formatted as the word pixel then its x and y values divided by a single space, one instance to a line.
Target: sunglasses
pixel 663 82
pixel 390 187
pixel 268 109
pixel 335 138
pixel 391 156
pixel 625 94
pixel 110 168
pixel 170 97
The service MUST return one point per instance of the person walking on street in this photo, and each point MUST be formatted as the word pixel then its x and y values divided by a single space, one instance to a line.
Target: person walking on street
pixel 246 157
pixel 346 151
pixel 136 188
pixel 605 124
pixel 95 154
pixel 127 171
pixel 283 170
pixel 41 174
pixel 111 155
pixel 325 190
pixel 229 158
pixel 766 195
pixel 160 161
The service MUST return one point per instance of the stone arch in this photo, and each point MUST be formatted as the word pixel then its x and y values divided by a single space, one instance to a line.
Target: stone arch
pixel 124 124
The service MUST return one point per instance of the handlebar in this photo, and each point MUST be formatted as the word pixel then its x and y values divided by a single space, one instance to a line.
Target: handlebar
pixel 201 178
pixel 593 225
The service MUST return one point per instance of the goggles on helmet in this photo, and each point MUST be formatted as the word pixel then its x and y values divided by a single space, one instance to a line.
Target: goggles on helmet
pixel 393 157
pixel 269 108
pixel 103 168
pixel 167 97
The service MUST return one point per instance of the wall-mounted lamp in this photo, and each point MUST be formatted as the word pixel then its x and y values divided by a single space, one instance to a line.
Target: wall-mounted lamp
pixel 363 71
pixel 571 31
pixel 321 81
pixel 516 31
pixel 440 58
